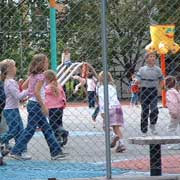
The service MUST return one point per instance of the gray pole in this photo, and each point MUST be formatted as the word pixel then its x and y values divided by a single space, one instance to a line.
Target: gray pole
pixel 21 47
pixel 106 103
pixel 21 52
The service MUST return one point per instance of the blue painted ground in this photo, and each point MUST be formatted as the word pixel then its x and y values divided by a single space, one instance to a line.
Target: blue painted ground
pixel 41 170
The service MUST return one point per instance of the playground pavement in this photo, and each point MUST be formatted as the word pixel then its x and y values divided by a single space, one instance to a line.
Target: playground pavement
pixel 84 134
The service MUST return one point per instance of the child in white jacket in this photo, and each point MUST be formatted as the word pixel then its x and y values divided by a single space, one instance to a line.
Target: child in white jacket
pixel 173 105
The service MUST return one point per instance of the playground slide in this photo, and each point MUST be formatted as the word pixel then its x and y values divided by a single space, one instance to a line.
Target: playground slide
pixel 59 67
pixel 64 75
pixel 60 71
pixel 71 73
pixel 66 71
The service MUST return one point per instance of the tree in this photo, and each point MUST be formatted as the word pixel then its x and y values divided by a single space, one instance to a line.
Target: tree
pixel 128 25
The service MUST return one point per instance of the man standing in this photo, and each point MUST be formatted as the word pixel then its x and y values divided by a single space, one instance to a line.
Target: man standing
pixel 149 77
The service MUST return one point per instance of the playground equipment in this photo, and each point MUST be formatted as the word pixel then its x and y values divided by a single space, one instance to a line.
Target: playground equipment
pixel 58 6
pixel 162 37
pixel 64 74
pixel 61 9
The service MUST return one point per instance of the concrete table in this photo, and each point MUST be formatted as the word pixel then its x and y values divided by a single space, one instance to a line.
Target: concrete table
pixel 154 143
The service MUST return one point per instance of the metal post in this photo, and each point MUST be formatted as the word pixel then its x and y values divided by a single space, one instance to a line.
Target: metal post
pixel 21 53
pixel 106 103
pixel 155 160
pixel 53 38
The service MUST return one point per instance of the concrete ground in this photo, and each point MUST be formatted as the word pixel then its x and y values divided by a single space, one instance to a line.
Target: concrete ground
pixel 87 139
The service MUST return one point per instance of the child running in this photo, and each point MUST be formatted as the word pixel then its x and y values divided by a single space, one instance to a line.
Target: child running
pixel 37 111
pixel 115 111
pixel 55 101
pixel 11 109
pixel 173 104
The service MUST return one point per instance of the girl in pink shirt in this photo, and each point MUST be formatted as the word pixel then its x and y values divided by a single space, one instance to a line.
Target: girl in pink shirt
pixel 37 111
pixel 173 105
pixel 55 100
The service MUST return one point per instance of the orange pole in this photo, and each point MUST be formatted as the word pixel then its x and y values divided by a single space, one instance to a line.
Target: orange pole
pixel 52 3
pixel 163 68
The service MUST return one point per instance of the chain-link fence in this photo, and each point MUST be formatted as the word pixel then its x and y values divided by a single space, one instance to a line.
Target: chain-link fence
pixel 72 125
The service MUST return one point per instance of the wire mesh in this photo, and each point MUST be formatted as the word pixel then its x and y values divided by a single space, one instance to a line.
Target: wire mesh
pixel 25 32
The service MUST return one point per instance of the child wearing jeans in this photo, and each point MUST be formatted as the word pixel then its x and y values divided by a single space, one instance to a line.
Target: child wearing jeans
pixel 55 100
pixel 173 104
pixel 37 111
pixel 91 90
pixel 66 58
pixel 11 109
pixel 115 111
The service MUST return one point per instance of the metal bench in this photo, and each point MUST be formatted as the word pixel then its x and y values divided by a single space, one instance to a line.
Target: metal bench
pixel 155 143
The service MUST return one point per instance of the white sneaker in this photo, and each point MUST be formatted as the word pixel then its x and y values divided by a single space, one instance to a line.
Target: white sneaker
pixel 153 129
pixel 23 156
pixel 144 134
pixel 174 147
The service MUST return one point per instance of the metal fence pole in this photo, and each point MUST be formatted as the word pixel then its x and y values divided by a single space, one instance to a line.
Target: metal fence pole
pixel 106 103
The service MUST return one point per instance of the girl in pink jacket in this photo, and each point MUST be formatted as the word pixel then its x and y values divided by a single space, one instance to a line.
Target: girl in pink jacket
pixel 55 101
pixel 173 105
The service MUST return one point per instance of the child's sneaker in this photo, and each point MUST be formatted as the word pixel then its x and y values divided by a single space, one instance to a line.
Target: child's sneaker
pixel 144 134
pixel 174 147
pixel 153 129
pixel 60 156
pixel 120 148
pixel 23 156
pixel 65 140
pixel 3 151
pixel 114 141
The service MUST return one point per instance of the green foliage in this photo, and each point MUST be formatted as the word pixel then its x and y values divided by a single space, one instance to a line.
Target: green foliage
pixel 25 30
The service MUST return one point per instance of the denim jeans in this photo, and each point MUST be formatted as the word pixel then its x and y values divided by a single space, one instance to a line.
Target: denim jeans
pixel 55 120
pixel 15 126
pixel 36 118
pixel 95 113
pixel 91 98
pixel 134 98
pixel 149 100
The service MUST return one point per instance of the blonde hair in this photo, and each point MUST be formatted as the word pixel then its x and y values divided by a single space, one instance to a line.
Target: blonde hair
pixel 5 67
pixel 50 75
pixel 110 78
pixel 9 62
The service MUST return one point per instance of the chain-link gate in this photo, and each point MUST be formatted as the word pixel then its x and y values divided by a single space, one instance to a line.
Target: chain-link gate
pixel 69 141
